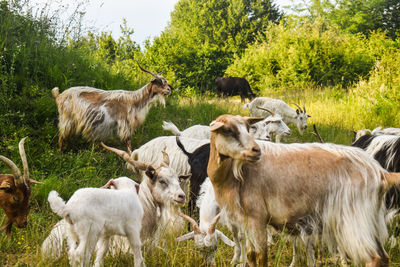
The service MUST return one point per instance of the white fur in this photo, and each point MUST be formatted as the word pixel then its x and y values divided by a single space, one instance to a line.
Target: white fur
pixel 95 214
pixel 196 131
pixel 289 115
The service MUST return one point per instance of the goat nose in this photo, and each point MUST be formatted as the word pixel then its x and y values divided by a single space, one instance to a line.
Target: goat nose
pixel 181 197
pixel 256 149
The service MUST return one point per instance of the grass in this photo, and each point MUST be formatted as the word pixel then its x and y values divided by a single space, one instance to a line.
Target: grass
pixel 88 165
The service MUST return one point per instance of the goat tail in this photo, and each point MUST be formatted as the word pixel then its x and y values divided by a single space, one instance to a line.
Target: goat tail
pixel 55 92
pixel 392 179
pixel 57 204
pixel 247 105
pixel 180 145
pixel 169 126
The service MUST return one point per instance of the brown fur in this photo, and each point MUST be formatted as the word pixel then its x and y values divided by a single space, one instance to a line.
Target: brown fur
pixel 15 203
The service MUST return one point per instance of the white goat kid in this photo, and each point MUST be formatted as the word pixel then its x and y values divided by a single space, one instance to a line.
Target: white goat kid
pixel 297 117
pixel 326 190
pixel 94 215
pixel 205 234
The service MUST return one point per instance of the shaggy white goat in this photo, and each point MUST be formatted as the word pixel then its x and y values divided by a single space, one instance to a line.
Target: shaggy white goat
pixel 205 234
pixel 377 131
pixel 289 115
pixel 95 214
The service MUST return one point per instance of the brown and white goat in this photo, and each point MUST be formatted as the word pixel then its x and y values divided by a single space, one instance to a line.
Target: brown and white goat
pixel 15 190
pixel 328 190
pixel 99 115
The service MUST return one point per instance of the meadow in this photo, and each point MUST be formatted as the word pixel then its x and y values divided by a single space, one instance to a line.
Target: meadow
pixel 89 165
pixel 348 79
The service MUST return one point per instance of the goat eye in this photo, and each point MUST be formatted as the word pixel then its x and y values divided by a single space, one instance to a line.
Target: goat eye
pixel 253 127
pixel 163 182
pixel 15 198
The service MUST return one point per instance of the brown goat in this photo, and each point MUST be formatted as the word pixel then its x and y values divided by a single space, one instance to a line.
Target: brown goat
pixel 15 190
pixel 326 190
pixel 100 115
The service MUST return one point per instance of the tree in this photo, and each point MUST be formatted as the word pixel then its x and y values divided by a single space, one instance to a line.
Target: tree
pixel 204 35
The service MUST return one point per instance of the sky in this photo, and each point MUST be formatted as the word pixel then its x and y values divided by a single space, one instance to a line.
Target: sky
pixel 147 17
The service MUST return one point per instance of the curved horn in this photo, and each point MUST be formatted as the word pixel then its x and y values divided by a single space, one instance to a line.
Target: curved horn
pixel 23 159
pixel 316 133
pixel 137 164
pixel 298 107
pixel 272 113
pixel 304 107
pixel 143 69
pixel 211 228
pixel 165 157
pixel 194 224
pixel 14 169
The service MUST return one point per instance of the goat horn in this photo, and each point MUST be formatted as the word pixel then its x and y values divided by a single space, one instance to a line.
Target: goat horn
pixel 165 157
pixel 143 69
pixel 298 107
pixel 34 181
pixel 14 169
pixel 211 228
pixel 23 159
pixel 317 134
pixel 304 107
pixel 272 113
pixel 137 164
pixel 194 224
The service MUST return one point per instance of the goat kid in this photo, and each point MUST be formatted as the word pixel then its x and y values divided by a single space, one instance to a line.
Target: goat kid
pixel 161 198
pixel 310 189
pixel 99 115
pixel 94 215
pixel 15 191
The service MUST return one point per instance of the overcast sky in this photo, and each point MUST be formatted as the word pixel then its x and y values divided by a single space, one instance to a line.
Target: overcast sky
pixel 147 17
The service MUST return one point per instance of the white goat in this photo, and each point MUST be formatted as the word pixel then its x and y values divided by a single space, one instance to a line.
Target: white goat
pixel 100 115
pixel 325 190
pixel 160 196
pixel 196 131
pixel 95 214
pixel 205 234
pixel 297 117
pixel 389 131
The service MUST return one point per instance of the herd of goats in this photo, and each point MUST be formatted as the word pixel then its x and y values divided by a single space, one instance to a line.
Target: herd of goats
pixel 342 197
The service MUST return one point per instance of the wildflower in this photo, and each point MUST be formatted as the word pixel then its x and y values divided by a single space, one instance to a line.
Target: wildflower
pixel 19 243
pixel 36 41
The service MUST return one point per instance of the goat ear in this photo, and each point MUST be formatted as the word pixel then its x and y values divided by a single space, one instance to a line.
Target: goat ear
pixel 184 176
pixel 252 120
pixel 215 125
pixel 5 186
pixel 224 238
pixel 151 172
pixel 186 237
pixel 308 116
pixel 297 111
pixel 108 184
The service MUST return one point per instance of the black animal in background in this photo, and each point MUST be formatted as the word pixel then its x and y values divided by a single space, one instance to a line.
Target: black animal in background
pixel 231 86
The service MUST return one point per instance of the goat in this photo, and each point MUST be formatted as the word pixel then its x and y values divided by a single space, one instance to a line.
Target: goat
pixel 205 234
pixel 260 131
pixel 160 196
pixel 271 125
pixel 95 214
pixel 98 115
pixel 387 131
pixel 15 191
pixel 151 152
pixel 329 190
pixel 195 131
pixel 289 115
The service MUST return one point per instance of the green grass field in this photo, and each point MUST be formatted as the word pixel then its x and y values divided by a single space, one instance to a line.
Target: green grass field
pixel 88 165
